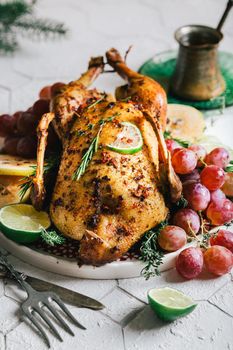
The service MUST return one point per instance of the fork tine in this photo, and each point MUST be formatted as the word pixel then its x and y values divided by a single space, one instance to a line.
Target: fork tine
pixel 49 323
pixel 59 318
pixel 67 312
pixel 38 326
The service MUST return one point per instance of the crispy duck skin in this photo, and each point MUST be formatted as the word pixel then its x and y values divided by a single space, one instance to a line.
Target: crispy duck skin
pixel 118 198
pixel 146 92
pixel 152 100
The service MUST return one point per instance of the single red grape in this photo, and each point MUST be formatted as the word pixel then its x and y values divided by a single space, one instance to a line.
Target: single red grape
pixel 218 156
pixel 184 161
pixel 57 88
pixel 217 196
pixel 172 238
pixel 172 145
pixel 26 124
pixel 45 93
pixel 40 107
pixel 220 213
pixel 197 195
pixel 200 152
pixel 212 177
pixel 27 146
pixel 188 219
pixel 10 145
pixel 227 187
pixel 7 125
pixel 218 260
pixel 189 262
pixel 223 238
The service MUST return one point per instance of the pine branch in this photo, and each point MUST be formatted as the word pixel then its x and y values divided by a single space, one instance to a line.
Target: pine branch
pixel 12 11
pixel 15 17
pixel 8 43
pixel 38 27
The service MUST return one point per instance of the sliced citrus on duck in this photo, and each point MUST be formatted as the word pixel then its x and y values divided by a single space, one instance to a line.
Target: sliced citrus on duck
pixel 128 141
pixel 170 304
pixel 22 223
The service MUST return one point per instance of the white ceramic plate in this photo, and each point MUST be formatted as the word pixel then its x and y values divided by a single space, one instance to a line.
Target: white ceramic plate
pixel 220 126
pixel 67 267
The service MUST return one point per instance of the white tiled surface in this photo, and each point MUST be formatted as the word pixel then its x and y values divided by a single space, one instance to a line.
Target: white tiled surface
pixel 127 323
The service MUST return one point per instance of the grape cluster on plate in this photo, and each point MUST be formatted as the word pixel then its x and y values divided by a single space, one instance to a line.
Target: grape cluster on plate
pixel 206 186
pixel 19 129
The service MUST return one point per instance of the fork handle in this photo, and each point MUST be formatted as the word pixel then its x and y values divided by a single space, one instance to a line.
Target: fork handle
pixel 15 274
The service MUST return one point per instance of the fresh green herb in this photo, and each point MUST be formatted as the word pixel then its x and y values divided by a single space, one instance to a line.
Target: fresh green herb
pixel 80 132
pixel 50 164
pixel 90 126
pixel 150 252
pixel 127 99
pixel 181 203
pixel 229 168
pixel 87 157
pixel 97 101
pixel 183 143
pixel 52 238
pixel 93 147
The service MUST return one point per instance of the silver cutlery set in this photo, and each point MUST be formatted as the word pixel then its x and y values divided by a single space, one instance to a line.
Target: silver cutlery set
pixel 44 296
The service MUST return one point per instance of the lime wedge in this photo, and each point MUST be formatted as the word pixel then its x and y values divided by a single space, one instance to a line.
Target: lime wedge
pixel 170 304
pixel 128 141
pixel 15 166
pixel 22 223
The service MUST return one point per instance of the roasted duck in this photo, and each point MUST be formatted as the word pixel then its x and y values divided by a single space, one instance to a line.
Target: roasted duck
pixel 103 198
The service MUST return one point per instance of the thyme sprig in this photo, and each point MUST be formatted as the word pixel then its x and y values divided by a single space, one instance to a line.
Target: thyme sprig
pixel 51 237
pixel 183 143
pixel 150 252
pixel 50 164
pixel 97 101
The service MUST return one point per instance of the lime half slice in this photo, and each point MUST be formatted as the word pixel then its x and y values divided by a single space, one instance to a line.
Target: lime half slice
pixel 22 223
pixel 170 304
pixel 128 141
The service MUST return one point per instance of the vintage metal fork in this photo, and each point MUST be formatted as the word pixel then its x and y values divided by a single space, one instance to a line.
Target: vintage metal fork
pixel 36 302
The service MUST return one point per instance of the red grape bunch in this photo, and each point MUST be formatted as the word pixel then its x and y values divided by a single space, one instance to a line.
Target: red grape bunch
pixel 19 129
pixel 206 186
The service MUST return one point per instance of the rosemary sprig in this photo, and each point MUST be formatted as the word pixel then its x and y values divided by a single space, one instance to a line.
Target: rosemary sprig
pixel 52 238
pixel 93 147
pixel 150 252
pixel 87 156
pixel 50 164
pixel 183 143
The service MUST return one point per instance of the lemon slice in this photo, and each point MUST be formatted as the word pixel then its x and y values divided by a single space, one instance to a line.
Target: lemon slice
pixel 128 141
pixel 22 223
pixel 185 122
pixel 170 304
pixel 16 166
